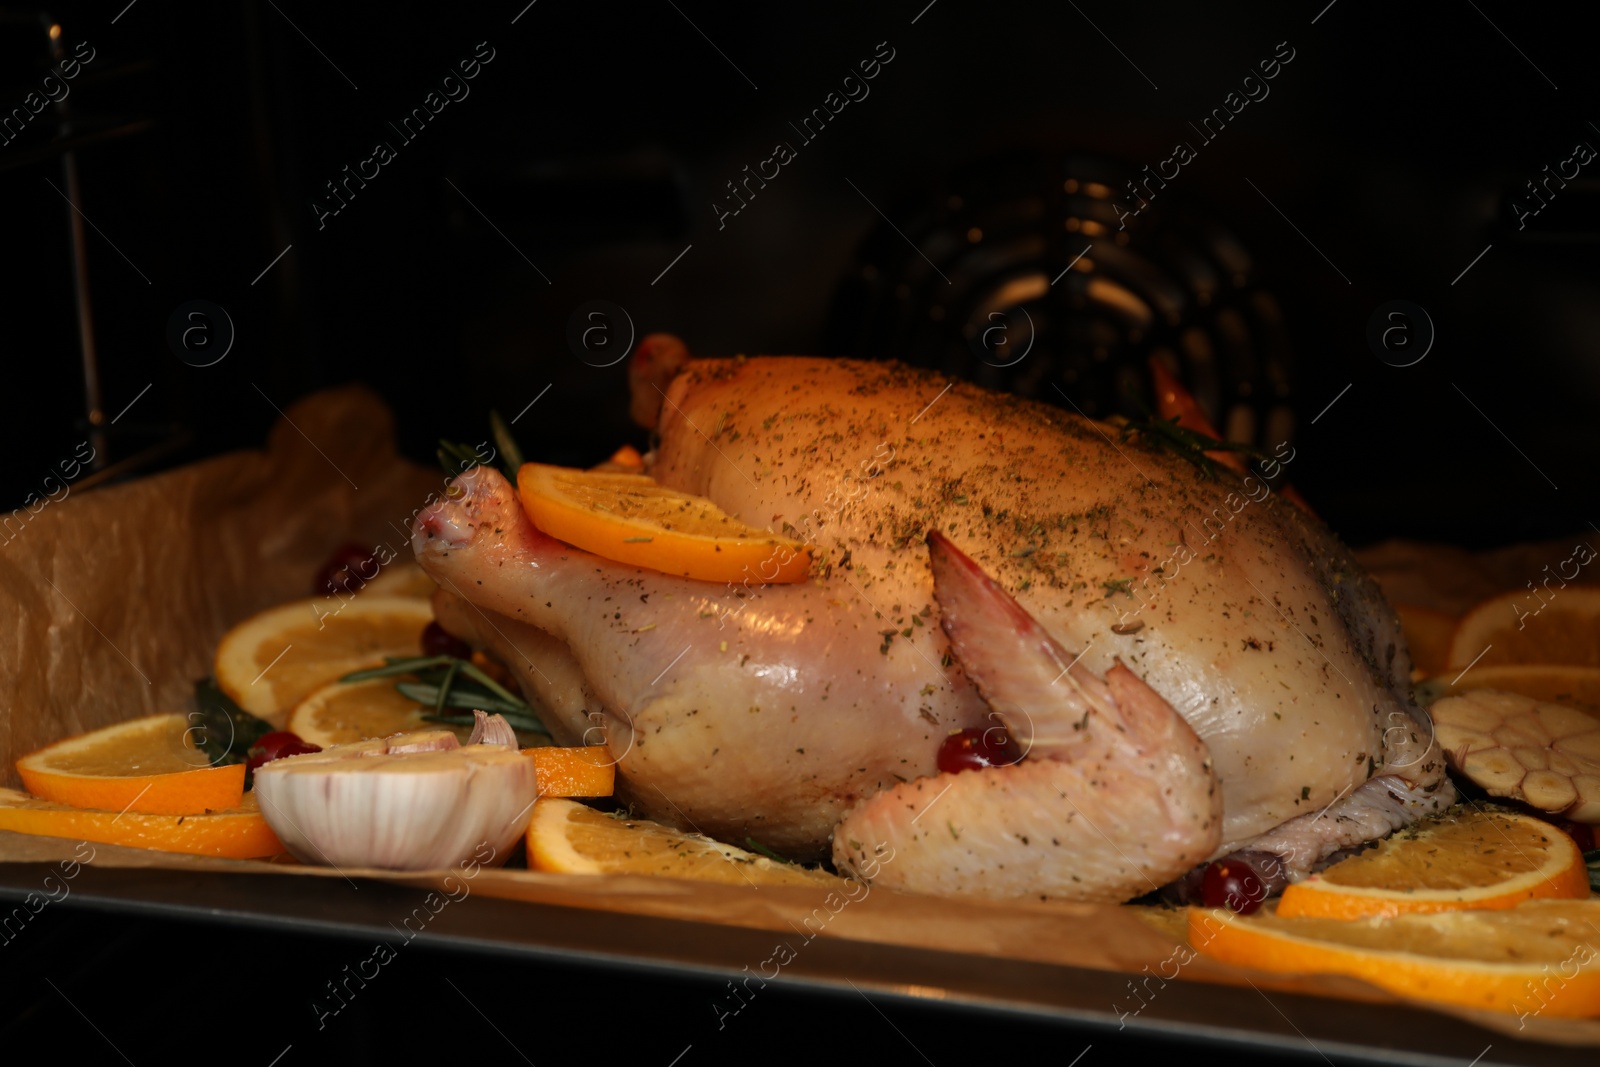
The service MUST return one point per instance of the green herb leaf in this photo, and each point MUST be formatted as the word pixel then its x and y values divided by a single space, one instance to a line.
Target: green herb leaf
pixel 1119 585
pixel 523 724
pixel 756 846
pixel 476 674
pixel 1592 859
pixel 450 673
pixel 461 697
pixel 447 682
pixel 1182 441
pixel 396 666
pixel 222 729
pixel 455 457
pixel 510 451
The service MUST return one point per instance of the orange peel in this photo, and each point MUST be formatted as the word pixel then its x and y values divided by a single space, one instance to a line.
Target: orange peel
pixel 147 765
pixel 630 518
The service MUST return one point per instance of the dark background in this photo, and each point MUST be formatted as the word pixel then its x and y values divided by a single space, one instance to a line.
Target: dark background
pixel 593 145
pixel 595 141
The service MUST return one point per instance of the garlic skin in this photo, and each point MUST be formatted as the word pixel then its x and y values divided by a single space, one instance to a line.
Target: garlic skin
pixel 491 730
pixel 412 802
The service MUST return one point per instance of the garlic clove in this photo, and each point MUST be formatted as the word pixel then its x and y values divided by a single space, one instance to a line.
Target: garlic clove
pixel 412 802
pixel 423 741
pixel 491 730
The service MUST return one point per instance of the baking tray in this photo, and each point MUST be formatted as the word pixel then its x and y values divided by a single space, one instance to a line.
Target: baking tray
pixel 920 1004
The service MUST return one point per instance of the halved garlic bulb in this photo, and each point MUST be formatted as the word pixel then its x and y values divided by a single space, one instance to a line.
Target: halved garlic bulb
pixel 411 802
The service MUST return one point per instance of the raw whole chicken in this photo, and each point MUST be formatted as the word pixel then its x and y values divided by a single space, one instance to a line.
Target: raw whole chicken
pixel 1185 665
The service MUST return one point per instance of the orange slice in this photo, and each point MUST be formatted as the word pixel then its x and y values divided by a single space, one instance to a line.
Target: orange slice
pixel 1465 858
pixel 631 519
pixel 1535 959
pixel 588 771
pixel 1428 635
pixel 239 832
pixel 1553 626
pixel 272 661
pixel 149 765
pixel 570 838
pixel 400 578
pixel 1551 683
pixel 343 712
pixel 626 460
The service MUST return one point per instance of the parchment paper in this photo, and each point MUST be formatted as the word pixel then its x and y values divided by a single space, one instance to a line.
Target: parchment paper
pixel 113 602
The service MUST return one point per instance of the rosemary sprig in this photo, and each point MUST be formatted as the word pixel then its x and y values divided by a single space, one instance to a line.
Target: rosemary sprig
pixel 1189 444
pixel 460 696
pixel 756 846
pixel 222 729
pixel 521 723
pixel 1182 441
pixel 398 666
pixel 450 673
pixel 510 451
pixel 456 458
pixel 446 682
pixel 395 666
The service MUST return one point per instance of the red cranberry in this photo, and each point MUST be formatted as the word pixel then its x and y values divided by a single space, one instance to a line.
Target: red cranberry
pixel 276 745
pixel 975 749
pixel 437 641
pixel 1232 884
pixel 347 570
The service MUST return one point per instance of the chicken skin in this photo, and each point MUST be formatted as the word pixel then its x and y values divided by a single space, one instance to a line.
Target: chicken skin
pixel 1187 665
